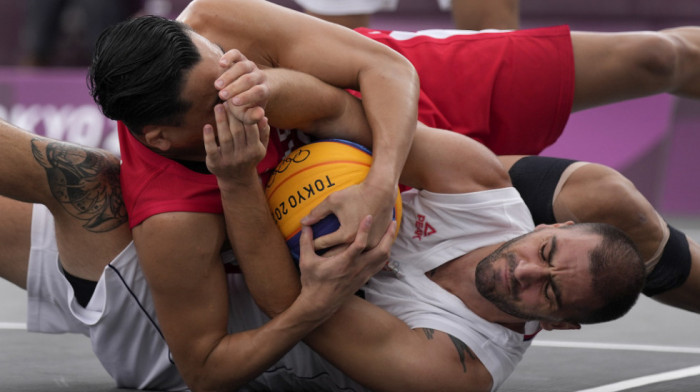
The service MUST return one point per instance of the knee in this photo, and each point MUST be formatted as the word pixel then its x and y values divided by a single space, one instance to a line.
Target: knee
pixel 658 55
pixel 670 54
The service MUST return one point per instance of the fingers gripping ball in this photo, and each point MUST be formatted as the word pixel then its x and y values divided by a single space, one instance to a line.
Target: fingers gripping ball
pixel 307 176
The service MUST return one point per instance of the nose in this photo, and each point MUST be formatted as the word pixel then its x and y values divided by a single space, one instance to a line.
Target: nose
pixel 529 273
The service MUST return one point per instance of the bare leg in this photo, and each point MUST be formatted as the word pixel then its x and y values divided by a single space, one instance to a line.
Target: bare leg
pixel 612 67
pixel 16 219
pixel 491 14
pixel 79 185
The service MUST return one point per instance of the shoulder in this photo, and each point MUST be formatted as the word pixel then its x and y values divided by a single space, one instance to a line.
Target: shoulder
pixel 181 233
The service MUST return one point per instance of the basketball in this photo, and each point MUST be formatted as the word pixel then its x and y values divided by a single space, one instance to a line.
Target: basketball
pixel 303 179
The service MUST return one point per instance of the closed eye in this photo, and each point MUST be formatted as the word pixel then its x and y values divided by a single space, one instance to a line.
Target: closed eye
pixel 550 261
pixel 542 252
pixel 549 284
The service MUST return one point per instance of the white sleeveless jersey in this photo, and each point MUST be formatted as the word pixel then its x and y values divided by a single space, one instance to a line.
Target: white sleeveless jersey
pixel 435 229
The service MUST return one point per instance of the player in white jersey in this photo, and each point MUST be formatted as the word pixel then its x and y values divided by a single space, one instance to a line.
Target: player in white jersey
pixel 135 355
pixel 122 294
pixel 436 229
pixel 97 314
pixel 496 280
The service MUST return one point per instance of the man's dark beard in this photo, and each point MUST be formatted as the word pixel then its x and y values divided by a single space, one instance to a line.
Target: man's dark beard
pixel 486 280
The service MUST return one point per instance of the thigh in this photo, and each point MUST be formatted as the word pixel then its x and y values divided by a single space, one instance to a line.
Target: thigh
pixel 612 67
pixel 15 240
pixel 479 14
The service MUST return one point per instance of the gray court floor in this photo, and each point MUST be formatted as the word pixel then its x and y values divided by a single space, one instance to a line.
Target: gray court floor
pixel 653 348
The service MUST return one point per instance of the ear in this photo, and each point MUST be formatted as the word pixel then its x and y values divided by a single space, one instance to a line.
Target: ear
pixel 567 223
pixel 554 225
pixel 155 137
pixel 551 325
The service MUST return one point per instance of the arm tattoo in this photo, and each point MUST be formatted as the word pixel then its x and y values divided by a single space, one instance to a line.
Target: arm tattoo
pixel 462 349
pixel 85 181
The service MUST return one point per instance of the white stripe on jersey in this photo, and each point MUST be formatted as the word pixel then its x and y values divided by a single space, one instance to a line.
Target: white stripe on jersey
pixel 438 33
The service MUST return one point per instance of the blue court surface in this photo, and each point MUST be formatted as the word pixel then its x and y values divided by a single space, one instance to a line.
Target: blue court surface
pixel 653 348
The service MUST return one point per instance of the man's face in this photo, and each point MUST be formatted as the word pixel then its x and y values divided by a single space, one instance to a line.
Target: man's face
pixel 199 90
pixel 543 275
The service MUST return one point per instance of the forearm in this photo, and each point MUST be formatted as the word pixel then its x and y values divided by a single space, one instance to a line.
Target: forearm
pixel 390 103
pixel 259 247
pixel 301 101
pixel 239 358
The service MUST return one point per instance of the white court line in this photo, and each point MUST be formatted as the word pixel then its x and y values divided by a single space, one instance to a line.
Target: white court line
pixel 20 326
pixel 617 346
pixel 646 380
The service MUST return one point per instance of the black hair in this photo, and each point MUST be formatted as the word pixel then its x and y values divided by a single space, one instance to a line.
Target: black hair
pixel 618 274
pixel 138 71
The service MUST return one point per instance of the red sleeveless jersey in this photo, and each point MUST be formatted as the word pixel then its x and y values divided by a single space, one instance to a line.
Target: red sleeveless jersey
pixel 153 184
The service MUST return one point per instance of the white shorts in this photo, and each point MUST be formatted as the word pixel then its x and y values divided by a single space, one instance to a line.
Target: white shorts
pixel 119 319
pixel 121 324
pixel 356 7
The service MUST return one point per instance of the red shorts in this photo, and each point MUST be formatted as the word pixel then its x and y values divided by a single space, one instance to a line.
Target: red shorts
pixel 512 91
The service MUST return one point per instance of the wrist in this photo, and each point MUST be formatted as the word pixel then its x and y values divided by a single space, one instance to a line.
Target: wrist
pixel 311 310
pixel 382 185
pixel 239 184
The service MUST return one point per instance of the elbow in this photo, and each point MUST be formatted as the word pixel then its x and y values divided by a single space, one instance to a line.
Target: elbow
pixel 204 382
pixel 408 73
pixel 398 69
pixel 199 383
pixel 201 374
pixel 198 380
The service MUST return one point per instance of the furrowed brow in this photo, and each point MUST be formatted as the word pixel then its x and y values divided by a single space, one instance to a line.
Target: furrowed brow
pixel 555 288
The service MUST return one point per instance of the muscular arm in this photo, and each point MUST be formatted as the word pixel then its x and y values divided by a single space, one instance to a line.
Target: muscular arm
pixel 273 36
pixel 301 101
pixel 180 257
pixel 378 350
pixel 445 162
